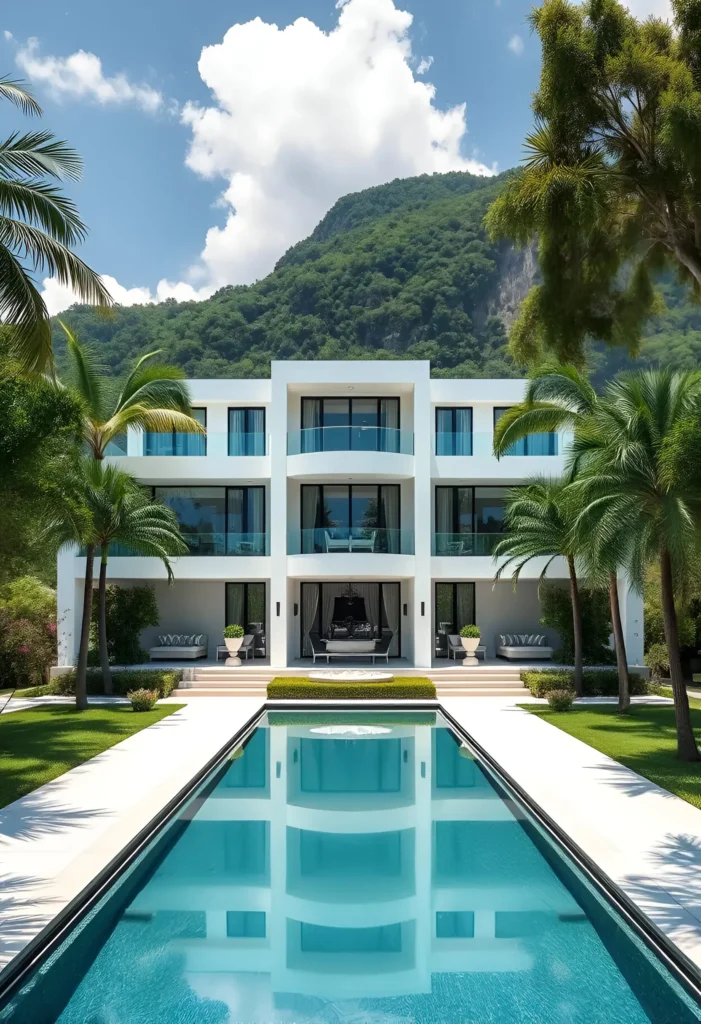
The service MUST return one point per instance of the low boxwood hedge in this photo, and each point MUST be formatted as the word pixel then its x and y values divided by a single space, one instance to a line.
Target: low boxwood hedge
pixel 163 680
pixel 597 682
pixel 299 688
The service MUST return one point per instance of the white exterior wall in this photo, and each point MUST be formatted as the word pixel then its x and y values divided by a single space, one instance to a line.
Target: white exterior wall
pixel 196 602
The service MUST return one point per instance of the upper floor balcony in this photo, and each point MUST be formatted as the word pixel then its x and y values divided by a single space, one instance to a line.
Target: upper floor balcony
pixel 350 540
pixel 350 438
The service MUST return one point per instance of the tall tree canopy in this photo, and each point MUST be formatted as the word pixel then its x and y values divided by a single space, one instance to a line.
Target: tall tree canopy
pixel 612 180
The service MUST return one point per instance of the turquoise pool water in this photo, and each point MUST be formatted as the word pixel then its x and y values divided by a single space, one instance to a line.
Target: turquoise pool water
pixel 358 869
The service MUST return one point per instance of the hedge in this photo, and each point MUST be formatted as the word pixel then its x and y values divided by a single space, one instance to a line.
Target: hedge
pixel 163 680
pixel 299 688
pixel 597 683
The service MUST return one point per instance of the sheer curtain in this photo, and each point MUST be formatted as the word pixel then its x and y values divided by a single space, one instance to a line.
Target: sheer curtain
pixel 370 592
pixel 390 600
pixel 329 593
pixel 256 518
pixel 444 432
pixel 192 444
pixel 444 519
pixel 463 431
pixel 389 424
pixel 237 431
pixel 310 602
pixel 311 425
pixel 256 432
pixel 389 516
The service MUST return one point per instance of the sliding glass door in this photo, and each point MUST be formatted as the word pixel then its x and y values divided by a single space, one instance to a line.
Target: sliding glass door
pixel 454 608
pixel 356 517
pixel 246 606
pixel 469 520
pixel 350 424
pixel 219 520
pixel 324 605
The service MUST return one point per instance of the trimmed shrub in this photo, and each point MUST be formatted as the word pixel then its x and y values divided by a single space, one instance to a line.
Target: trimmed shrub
pixel 471 632
pixel 297 688
pixel 163 681
pixel 143 700
pixel 233 632
pixel 561 700
pixel 657 660
pixel 597 683
pixel 556 613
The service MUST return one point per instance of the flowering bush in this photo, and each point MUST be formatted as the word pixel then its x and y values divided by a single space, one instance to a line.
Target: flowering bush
pixel 142 700
pixel 27 650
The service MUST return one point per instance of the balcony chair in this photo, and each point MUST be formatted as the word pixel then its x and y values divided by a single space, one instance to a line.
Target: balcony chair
pixel 364 543
pixel 382 648
pixel 336 543
pixel 317 648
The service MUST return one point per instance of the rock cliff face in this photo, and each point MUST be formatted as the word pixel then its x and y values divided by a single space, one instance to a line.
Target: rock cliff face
pixel 518 272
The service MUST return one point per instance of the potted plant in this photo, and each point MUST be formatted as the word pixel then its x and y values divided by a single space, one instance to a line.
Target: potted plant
pixel 470 636
pixel 233 638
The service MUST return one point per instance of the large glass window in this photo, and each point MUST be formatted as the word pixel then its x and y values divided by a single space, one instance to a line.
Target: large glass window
pixel 532 444
pixel 454 608
pixel 467 519
pixel 219 520
pixel 357 517
pixel 247 431
pixel 174 442
pixel 454 431
pixel 246 606
pixel 350 424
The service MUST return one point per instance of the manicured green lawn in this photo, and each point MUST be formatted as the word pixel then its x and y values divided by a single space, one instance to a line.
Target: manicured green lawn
pixel 644 740
pixel 39 744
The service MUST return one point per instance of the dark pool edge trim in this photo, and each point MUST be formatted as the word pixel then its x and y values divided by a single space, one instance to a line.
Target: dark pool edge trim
pixel 46 941
pixel 50 937
pixel 682 968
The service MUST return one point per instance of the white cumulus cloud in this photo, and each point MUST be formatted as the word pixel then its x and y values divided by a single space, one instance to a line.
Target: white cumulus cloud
pixel 644 8
pixel 81 76
pixel 424 64
pixel 515 44
pixel 300 117
pixel 59 297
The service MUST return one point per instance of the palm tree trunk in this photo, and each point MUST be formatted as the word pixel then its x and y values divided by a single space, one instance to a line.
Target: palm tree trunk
pixel 102 623
pixel 81 681
pixel 577 626
pixel 686 741
pixel 620 644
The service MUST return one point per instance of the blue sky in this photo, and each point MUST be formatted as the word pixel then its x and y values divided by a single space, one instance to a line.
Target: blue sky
pixel 255 144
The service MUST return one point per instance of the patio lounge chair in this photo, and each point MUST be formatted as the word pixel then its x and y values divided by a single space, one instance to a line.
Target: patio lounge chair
pixel 382 648
pixel 317 648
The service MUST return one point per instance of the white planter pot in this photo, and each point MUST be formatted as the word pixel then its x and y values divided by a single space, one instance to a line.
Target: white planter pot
pixel 470 643
pixel 233 644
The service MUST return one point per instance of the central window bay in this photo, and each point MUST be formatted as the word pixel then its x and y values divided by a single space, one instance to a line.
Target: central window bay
pixel 219 520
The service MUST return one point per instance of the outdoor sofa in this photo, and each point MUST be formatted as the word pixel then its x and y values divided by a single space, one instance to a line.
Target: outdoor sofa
pixel 522 646
pixel 174 646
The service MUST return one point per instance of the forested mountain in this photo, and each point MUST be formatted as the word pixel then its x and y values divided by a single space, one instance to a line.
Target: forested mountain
pixel 399 271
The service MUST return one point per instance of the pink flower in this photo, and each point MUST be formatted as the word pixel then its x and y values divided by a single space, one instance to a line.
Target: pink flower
pixel 51 628
pixel 23 649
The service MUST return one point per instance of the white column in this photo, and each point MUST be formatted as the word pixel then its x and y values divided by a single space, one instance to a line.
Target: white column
pixel 66 597
pixel 278 522
pixel 423 645
pixel 632 621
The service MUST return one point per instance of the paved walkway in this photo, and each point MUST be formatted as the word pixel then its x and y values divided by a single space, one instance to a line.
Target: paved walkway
pixel 644 838
pixel 54 840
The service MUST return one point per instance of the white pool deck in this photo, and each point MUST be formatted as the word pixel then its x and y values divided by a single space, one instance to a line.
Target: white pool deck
pixel 54 840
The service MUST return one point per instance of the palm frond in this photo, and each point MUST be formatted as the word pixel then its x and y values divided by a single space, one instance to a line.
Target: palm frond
pixel 86 376
pixel 22 306
pixel 35 154
pixel 13 90
pixel 155 420
pixel 37 204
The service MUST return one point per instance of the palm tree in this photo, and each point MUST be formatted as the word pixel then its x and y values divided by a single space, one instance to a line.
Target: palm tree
pixel 123 513
pixel 152 396
pixel 627 472
pixel 559 396
pixel 39 226
pixel 539 518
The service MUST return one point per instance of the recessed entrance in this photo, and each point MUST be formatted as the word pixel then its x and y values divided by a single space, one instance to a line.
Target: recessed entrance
pixel 352 611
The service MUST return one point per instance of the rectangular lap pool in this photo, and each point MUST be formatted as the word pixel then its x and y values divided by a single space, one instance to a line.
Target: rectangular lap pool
pixel 351 867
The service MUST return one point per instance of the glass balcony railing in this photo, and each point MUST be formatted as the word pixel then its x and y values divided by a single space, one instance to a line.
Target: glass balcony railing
pixel 481 444
pixel 350 540
pixel 205 543
pixel 117 446
pixel 215 443
pixel 465 543
pixel 350 439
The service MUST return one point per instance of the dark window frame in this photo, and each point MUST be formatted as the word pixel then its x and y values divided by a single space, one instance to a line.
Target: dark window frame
pixel 174 432
pixel 349 487
pixel 246 409
pixel 349 426
pixel 226 488
pixel 246 584
pixel 452 409
pixel 454 584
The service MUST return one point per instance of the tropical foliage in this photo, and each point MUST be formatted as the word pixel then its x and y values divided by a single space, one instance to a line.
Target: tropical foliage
pixel 612 180
pixel 128 612
pixel 39 227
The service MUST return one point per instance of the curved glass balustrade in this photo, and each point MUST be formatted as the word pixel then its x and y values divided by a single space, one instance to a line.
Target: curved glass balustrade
pixel 350 439
pixel 465 543
pixel 207 544
pixel 350 540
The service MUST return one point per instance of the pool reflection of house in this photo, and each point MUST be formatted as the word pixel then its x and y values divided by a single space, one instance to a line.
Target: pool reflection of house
pixel 353 865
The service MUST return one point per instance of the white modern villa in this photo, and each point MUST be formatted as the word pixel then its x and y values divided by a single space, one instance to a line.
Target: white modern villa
pixel 338 507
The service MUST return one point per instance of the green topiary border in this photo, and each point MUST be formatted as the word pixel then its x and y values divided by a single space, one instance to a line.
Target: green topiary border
pixel 299 688
pixel 164 680
pixel 597 682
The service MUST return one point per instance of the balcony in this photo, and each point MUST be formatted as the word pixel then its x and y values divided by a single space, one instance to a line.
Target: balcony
pixel 457 544
pixel 350 439
pixel 480 445
pixel 169 444
pixel 350 540
pixel 208 543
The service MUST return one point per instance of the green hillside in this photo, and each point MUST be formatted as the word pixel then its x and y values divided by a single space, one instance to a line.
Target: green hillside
pixel 399 271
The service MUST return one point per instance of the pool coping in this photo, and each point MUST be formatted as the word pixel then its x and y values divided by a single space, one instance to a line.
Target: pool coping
pixel 49 938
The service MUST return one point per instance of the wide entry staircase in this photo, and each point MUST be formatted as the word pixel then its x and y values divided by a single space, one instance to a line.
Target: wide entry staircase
pixel 455 681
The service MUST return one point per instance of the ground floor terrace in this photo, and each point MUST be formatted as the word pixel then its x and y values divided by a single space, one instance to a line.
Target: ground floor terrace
pixel 344 622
